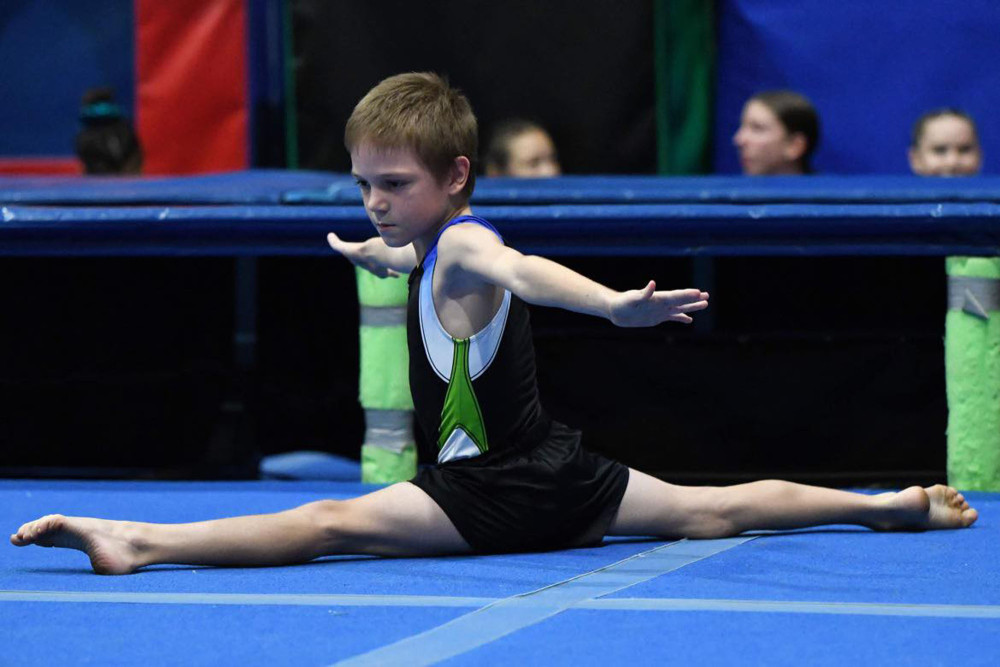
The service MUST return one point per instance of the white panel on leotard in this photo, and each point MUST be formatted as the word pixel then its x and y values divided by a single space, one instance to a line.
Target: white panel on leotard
pixel 458 446
pixel 438 343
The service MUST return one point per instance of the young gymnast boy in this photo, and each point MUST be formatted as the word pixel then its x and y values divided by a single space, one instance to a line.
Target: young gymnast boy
pixel 507 477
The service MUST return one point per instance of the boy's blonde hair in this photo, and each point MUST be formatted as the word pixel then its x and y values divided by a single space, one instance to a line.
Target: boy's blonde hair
pixel 418 110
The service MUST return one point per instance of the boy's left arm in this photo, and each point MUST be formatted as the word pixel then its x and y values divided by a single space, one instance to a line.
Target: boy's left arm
pixel 543 282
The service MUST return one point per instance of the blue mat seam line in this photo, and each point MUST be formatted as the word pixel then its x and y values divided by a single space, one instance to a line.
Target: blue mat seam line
pixel 499 619
pixel 793 607
pixel 598 604
pixel 247 599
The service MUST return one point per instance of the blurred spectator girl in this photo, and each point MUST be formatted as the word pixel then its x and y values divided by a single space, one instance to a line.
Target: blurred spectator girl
pixel 522 149
pixel 106 142
pixel 945 143
pixel 778 132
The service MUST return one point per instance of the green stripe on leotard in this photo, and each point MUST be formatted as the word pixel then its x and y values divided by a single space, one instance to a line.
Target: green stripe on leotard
pixel 461 408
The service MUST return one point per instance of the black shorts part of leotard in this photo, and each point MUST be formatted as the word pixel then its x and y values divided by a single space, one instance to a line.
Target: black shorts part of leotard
pixel 556 495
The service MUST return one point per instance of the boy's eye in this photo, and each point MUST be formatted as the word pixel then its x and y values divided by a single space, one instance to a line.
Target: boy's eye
pixel 362 184
pixel 394 184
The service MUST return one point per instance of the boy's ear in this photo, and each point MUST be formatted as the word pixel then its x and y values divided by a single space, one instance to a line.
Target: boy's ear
pixel 458 174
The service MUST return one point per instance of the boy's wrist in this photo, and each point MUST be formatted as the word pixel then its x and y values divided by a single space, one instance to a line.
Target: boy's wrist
pixel 607 307
pixel 372 250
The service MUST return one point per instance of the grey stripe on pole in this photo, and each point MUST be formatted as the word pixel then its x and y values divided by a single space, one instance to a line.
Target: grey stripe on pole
pixel 383 316
pixel 388 429
pixel 975 296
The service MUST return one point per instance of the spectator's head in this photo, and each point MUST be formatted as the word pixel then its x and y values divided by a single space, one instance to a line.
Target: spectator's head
pixel 945 143
pixel 779 131
pixel 418 111
pixel 106 143
pixel 521 149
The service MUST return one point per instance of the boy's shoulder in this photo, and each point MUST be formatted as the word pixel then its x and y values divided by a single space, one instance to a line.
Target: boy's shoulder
pixel 467 236
pixel 466 254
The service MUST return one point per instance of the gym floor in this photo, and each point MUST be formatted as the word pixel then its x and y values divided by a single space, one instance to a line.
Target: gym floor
pixel 821 596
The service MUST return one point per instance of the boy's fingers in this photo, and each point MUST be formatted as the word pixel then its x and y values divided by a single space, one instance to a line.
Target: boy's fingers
pixel 334 241
pixel 690 307
pixel 691 295
pixel 681 297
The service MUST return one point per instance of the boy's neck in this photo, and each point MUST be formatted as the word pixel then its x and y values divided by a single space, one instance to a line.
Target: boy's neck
pixel 424 241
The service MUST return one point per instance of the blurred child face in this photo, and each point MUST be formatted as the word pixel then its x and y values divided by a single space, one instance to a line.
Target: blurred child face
pixel 947 147
pixel 403 198
pixel 532 155
pixel 765 146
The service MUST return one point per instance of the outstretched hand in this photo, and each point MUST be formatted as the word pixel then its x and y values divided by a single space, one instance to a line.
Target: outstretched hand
pixel 360 254
pixel 646 307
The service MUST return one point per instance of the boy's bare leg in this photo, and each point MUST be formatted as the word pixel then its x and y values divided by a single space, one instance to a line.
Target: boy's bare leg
pixel 400 520
pixel 653 507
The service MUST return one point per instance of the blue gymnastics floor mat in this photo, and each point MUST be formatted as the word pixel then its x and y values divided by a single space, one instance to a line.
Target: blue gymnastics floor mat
pixel 814 596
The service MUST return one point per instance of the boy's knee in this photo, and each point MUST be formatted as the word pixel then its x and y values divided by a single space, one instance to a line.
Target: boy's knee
pixel 724 517
pixel 713 526
pixel 326 515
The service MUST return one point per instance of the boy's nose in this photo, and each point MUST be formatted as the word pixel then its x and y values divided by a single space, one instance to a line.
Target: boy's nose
pixel 377 202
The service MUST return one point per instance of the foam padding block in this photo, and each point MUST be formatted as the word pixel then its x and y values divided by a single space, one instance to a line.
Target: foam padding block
pixel 972 372
pixel 310 465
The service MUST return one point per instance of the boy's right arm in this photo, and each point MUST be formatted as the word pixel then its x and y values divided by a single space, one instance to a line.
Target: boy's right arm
pixel 375 256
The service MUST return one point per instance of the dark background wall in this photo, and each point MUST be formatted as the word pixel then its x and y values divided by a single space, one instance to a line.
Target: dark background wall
pixel 583 69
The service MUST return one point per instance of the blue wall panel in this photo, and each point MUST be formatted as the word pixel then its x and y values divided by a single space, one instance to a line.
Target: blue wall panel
pixel 870 66
pixel 51 51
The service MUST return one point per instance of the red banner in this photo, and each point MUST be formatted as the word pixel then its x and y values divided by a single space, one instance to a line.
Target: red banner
pixel 191 88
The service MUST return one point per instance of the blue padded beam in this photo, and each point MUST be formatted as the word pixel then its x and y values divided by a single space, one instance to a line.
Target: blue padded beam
pixel 701 190
pixel 640 229
pixel 304 187
pixel 249 187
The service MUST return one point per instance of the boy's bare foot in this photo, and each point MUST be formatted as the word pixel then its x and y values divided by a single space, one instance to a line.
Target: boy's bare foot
pixel 111 546
pixel 936 507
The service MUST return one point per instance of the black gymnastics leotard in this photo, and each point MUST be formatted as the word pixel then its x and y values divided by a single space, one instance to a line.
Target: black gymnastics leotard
pixel 507 476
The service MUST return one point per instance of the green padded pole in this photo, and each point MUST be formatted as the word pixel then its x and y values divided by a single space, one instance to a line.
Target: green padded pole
pixel 388 453
pixel 683 62
pixel 972 372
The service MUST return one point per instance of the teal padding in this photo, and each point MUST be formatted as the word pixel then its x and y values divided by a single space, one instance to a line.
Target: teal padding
pixel 384 466
pixel 385 360
pixel 384 383
pixel 380 292
pixel 972 373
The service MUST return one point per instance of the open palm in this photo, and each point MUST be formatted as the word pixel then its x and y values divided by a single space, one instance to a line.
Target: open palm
pixel 646 307
pixel 359 254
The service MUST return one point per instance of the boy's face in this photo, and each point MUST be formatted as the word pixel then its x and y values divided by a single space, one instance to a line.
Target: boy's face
pixel 948 147
pixel 765 146
pixel 403 199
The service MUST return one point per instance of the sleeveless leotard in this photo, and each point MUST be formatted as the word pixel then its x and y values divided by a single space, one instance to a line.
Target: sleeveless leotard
pixel 508 477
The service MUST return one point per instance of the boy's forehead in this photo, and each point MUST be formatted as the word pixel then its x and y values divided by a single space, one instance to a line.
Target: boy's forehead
pixel 371 155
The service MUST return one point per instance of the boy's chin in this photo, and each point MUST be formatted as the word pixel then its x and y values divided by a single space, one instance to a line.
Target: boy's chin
pixel 394 241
